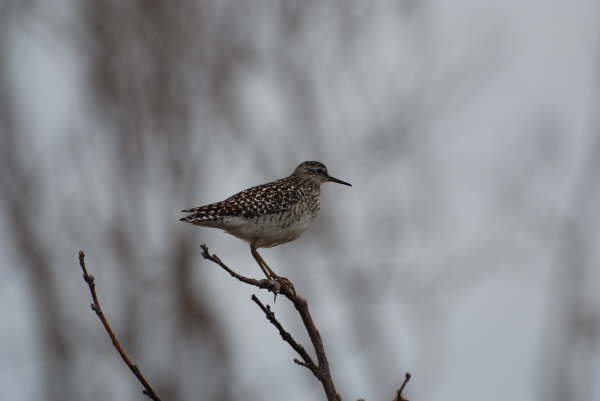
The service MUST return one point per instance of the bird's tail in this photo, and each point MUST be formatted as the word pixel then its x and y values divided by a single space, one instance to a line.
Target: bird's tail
pixel 202 215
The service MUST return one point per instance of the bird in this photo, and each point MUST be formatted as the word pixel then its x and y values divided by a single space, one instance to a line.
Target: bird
pixel 270 214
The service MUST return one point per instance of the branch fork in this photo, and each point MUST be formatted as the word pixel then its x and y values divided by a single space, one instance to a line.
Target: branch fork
pixel 319 368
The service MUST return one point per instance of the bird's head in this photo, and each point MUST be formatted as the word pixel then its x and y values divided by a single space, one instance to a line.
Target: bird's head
pixel 316 171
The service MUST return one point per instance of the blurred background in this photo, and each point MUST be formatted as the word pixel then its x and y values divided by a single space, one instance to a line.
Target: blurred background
pixel 466 251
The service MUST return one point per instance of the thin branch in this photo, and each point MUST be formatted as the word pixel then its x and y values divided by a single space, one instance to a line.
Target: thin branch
pixel 272 286
pixel 399 396
pixel 287 337
pixel 321 371
pixel 89 279
pixel 315 337
pixel 299 362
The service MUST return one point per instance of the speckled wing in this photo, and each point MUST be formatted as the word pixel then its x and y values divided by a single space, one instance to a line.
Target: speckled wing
pixel 272 198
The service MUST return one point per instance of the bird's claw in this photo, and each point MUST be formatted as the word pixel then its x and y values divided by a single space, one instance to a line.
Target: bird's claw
pixel 285 282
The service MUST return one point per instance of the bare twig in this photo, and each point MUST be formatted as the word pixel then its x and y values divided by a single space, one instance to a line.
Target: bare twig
pixel 287 337
pixel 89 279
pixel 399 396
pixel 270 285
pixel 321 370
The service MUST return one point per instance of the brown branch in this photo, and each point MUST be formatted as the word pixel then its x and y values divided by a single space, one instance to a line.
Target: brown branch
pixel 321 370
pixel 89 279
pixel 399 396
pixel 287 337
pixel 272 286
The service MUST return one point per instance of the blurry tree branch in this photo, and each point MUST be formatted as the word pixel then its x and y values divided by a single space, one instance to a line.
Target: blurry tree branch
pixel 89 279
pixel 399 396
pixel 320 369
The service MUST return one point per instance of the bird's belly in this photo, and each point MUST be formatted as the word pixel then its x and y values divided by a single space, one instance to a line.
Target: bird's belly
pixel 271 230
pixel 277 237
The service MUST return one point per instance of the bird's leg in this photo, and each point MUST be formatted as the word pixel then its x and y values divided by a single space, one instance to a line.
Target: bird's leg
pixel 259 260
pixel 271 275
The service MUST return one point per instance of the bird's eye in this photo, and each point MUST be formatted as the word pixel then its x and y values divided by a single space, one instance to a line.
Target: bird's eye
pixel 320 171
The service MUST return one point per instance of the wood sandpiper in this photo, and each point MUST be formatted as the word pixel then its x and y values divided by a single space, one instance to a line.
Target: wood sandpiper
pixel 270 214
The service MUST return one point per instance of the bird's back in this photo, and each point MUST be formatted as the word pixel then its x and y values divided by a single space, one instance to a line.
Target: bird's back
pixel 268 214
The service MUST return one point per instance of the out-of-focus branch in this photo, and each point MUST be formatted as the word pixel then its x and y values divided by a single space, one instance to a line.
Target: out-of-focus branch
pixel 320 369
pixel 399 396
pixel 90 280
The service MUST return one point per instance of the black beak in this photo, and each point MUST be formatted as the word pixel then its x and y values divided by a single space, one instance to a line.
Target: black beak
pixel 333 179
